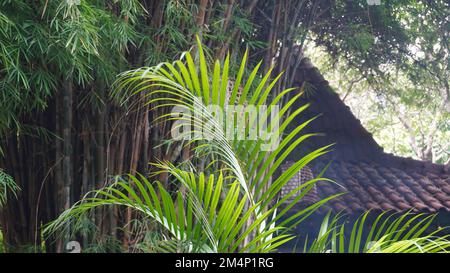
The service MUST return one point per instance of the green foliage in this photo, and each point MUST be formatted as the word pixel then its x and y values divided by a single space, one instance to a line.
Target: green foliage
pixel 7 187
pixel 1 242
pixel 43 45
pixel 388 233
pixel 94 241
pixel 232 205
pixel 208 218
pixel 406 118
pixel 232 208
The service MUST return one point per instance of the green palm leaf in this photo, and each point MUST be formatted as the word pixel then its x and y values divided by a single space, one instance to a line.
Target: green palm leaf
pixel 219 219
pixel 387 233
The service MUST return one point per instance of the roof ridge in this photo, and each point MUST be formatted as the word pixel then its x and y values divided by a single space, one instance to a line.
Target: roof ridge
pixel 336 120
pixel 341 126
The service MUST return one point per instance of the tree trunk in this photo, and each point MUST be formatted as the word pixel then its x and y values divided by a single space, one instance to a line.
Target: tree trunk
pixel 67 164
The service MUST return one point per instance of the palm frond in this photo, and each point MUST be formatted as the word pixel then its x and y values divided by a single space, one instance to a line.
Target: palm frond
pixel 208 215
pixel 387 233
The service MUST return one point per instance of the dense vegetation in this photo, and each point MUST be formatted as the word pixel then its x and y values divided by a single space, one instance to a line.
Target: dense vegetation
pixel 67 129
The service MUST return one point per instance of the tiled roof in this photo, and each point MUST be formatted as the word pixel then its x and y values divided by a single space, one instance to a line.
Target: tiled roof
pixel 371 178
pixel 377 186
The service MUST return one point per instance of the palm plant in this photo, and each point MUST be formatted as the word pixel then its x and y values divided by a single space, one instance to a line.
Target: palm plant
pixel 388 233
pixel 229 205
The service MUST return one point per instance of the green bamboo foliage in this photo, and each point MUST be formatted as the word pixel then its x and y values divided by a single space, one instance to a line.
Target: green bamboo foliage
pixel 8 187
pixel 42 44
pixel 388 233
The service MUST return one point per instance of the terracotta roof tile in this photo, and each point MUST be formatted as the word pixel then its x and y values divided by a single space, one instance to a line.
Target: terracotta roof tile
pixel 374 186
